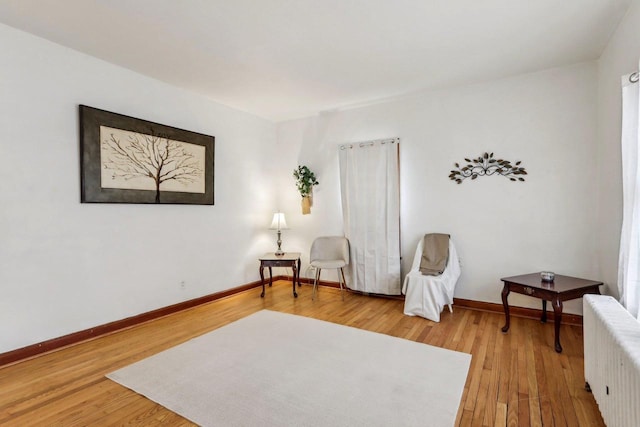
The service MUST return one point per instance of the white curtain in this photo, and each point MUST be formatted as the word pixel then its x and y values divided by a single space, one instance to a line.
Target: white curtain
pixel 370 187
pixel 629 261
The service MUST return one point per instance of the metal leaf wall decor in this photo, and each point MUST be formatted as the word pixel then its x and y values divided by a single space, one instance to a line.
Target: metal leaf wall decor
pixel 486 165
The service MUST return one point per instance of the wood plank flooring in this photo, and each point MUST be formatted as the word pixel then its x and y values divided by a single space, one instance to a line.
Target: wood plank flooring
pixel 515 379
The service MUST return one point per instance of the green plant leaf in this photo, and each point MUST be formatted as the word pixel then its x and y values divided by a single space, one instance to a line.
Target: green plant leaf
pixel 305 180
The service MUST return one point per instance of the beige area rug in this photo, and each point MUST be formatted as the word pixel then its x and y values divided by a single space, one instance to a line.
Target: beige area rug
pixel 276 369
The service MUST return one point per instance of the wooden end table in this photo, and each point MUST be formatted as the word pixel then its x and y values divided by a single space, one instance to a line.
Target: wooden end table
pixel 562 288
pixel 288 259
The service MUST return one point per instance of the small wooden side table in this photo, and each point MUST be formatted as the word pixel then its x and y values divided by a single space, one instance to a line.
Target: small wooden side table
pixel 288 259
pixel 562 288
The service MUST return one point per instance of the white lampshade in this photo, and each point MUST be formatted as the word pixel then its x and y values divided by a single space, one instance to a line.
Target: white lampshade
pixel 278 223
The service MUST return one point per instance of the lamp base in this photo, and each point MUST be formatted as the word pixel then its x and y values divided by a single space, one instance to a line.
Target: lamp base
pixel 279 252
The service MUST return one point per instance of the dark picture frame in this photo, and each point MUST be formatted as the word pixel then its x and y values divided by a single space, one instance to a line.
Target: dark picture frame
pixel 128 160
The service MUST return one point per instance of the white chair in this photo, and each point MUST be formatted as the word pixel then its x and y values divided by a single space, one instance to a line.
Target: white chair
pixel 426 296
pixel 329 252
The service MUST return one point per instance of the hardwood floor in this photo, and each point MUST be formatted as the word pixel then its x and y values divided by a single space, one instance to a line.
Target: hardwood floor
pixel 515 379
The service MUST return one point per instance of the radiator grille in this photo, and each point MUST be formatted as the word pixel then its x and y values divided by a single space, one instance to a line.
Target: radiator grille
pixel 612 360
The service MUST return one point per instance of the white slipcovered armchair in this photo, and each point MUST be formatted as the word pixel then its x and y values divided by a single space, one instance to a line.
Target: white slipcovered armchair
pixel 426 296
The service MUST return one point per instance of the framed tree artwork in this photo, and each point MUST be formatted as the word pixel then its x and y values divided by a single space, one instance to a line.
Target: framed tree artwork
pixel 129 160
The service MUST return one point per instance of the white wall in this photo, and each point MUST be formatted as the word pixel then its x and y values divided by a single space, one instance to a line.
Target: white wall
pixel 619 58
pixel 67 266
pixel 501 228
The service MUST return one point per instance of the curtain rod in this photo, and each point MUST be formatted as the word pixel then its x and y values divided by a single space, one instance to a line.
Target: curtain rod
pixel 369 143
pixel 633 78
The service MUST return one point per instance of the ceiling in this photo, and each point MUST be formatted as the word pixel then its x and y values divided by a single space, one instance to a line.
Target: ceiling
pixel 283 59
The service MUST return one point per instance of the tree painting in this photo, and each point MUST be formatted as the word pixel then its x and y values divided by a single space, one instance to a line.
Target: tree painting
pixel 132 160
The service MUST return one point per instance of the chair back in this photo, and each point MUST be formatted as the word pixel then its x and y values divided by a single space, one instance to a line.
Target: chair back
pixel 330 248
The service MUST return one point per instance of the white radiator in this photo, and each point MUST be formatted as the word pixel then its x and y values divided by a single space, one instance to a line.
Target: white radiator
pixel 612 360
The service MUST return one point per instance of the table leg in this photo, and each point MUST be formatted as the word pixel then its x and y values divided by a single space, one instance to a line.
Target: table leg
pixel 299 267
pixel 262 280
pixel 505 303
pixel 543 319
pixel 295 278
pixel 557 311
pixel 270 277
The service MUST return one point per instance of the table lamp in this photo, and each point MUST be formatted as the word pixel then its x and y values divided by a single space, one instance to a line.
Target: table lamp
pixel 279 223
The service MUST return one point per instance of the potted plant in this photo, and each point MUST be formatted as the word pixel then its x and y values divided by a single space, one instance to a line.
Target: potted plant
pixel 305 180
